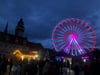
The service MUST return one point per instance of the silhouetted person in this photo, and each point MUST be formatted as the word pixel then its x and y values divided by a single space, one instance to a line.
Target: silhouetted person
pixel 10 64
pixel 86 69
pixel 98 66
pixel 52 69
pixel 77 69
pixel 32 68
pixel 24 67
pixel 15 70
pixel 68 67
pixel 45 67
pixel 3 65
pixel 93 68
pixel 41 65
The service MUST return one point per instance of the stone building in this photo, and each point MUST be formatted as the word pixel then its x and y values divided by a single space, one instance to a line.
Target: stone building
pixel 9 42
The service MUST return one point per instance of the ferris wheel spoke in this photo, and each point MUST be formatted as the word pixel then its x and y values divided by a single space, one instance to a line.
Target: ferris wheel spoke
pixel 71 27
pixel 74 47
pixel 88 41
pixel 85 40
pixel 62 25
pixel 74 21
pixel 78 22
pixel 91 42
pixel 64 30
pixel 81 25
pixel 58 41
pixel 77 29
pixel 89 45
pixel 86 47
pixel 57 30
pixel 69 21
pixel 74 28
pixel 58 34
pixel 65 23
pixel 67 27
pixel 80 49
pixel 62 46
pixel 57 49
pixel 68 46
pixel 88 33
pixel 59 27
pixel 61 32
pixel 72 52
pixel 57 38
pixel 60 37
pixel 87 29
pixel 84 43
pixel 75 50
pixel 83 28
pixel 89 37
pixel 59 44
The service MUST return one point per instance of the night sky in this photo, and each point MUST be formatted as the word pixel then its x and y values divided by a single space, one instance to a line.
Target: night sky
pixel 41 16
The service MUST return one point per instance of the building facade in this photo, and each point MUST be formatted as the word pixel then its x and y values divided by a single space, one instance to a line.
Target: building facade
pixel 9 42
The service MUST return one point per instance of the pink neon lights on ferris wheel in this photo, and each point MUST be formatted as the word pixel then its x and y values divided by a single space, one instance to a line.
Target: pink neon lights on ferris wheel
pixel 74 36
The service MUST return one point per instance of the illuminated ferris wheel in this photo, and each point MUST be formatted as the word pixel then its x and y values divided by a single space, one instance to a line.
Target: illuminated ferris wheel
pixel 74 37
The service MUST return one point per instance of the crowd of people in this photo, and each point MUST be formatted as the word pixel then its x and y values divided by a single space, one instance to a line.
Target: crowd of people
pixel 15 66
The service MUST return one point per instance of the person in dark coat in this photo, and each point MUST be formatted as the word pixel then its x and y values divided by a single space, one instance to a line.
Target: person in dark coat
pixel 77 69
pixel 24 67
pixel 41 65
pixel 86 69
pixel 32 68
pixel 52 69
pixel 93 68
pixel 3 65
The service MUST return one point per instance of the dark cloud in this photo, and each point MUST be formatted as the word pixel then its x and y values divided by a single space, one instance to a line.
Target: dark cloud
pixel 41 16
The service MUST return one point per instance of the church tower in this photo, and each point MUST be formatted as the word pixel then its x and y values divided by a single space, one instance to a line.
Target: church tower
pixel 20 28
pixel 6 28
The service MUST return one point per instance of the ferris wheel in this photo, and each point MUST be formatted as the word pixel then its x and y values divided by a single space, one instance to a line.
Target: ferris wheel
pixel 74 37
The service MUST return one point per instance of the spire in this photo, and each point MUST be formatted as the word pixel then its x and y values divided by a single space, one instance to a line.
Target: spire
pixel 20 28
pixel 6 28
pixel 21 22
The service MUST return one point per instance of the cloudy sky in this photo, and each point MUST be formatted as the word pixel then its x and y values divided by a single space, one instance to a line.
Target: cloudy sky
pixel 41 16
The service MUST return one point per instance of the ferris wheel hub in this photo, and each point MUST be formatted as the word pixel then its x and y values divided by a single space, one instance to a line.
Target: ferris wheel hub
pixel 73 37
